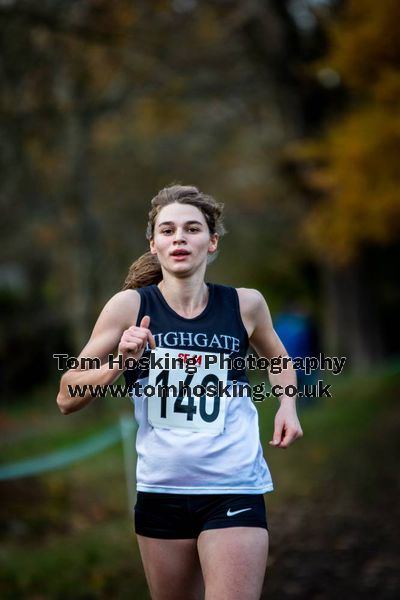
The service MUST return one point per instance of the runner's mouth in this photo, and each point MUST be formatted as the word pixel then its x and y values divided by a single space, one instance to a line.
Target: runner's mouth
pixel 180 253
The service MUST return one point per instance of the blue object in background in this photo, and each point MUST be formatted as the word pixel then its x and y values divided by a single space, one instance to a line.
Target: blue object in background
pixel 297 331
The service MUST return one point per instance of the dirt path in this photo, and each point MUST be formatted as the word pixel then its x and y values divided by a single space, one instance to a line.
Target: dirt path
pixel 344 543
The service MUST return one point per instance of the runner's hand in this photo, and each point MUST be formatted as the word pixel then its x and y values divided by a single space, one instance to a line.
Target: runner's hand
pixel 287 427
pixel 134 340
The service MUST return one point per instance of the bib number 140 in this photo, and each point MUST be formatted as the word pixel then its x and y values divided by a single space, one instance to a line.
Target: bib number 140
pixel 189 407
pixel 186 410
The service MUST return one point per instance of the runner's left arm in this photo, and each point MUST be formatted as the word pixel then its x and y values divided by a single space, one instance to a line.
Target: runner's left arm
pixel 264 339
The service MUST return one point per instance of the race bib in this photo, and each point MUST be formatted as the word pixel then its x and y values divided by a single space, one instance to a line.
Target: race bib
pixel 187 393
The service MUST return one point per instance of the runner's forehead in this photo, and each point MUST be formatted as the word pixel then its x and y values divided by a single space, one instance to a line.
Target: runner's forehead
pixel 180 214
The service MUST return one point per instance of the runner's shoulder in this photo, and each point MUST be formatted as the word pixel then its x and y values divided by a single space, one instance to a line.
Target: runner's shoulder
pixel 250 299
pixel 123 307
pixel 252 305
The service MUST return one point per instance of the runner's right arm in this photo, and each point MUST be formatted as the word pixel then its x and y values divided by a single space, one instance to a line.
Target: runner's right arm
pixel 113 330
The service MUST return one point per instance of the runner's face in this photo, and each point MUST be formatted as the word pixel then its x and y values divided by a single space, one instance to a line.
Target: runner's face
pixel 182 239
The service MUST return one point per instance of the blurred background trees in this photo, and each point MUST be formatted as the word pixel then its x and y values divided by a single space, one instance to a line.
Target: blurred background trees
pixel 350 170
pixel 283 110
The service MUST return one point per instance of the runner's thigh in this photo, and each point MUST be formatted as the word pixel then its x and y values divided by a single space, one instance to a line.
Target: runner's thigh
pixel 233 561
pixel 172 568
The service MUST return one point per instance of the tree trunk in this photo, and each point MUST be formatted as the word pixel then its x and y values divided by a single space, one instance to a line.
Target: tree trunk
pixel 351 325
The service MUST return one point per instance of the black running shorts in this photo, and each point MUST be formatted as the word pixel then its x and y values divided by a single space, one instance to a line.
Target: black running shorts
pixel 183 516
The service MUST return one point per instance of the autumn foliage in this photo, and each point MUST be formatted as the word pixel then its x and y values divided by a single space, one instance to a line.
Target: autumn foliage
pixel 353 167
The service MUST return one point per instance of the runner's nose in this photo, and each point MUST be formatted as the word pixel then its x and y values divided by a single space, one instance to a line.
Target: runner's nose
pixel 179 235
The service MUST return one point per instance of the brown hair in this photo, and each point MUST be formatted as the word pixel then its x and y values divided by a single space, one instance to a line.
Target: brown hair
pixel 146 270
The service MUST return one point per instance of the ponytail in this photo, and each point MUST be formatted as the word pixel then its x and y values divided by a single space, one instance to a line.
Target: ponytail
pixel 146 270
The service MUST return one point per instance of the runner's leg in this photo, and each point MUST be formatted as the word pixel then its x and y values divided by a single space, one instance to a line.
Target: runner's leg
pixel 233 561
pixel 172 568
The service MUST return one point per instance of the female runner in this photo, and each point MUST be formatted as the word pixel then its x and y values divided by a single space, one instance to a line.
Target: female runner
pixel 200 516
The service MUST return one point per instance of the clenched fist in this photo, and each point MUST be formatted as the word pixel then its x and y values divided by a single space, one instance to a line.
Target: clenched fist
pixel 134 340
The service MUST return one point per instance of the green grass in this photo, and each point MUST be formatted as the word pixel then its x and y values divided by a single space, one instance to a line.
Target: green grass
pixel 334 428
pixel 38 427
pixel 68 533
pixel 99 562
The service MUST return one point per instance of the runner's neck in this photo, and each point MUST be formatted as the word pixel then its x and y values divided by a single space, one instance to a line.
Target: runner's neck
pixel 186 302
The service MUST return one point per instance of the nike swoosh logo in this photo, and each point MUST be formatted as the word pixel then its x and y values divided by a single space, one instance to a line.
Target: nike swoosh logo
pixel 231 513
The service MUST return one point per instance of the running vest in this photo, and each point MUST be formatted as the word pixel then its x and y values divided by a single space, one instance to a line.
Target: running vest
pixel 196 443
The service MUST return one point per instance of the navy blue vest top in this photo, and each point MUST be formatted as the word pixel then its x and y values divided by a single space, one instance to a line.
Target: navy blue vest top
pixel 218 329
